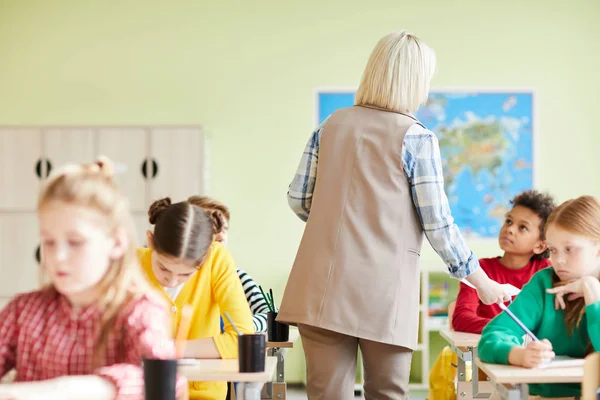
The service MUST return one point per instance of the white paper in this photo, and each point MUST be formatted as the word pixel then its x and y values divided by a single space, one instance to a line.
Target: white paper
pixel 563 362
pixel 510 289
pixel 188 361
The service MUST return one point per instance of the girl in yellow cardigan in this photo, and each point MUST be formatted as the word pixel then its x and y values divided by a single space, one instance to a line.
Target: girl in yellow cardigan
pixel 187 267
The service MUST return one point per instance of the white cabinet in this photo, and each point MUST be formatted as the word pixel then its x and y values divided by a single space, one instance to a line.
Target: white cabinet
pixel 128 148
pixel 151 163
pixel 19 252
pixel 67 146
pixel 176 163
pixel 21 169
pixel 142 225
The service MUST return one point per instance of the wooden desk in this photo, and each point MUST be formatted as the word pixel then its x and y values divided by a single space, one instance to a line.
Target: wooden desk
pixel 278 389
pixel 293 337
pixel 228 371
pixel 465 346
pixel 461 339
pixel 512 382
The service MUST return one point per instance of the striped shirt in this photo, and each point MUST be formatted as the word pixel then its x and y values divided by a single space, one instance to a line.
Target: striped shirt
pixel 422 166
pixel 257 303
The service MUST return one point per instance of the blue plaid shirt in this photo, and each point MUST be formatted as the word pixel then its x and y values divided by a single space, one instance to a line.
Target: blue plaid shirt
pixel 423 168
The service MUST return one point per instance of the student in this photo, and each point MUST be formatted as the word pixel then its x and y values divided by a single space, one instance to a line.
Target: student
pixel 220 216
pixel 187 267
pixel 560 305
pixel 525 253
pixel 84 335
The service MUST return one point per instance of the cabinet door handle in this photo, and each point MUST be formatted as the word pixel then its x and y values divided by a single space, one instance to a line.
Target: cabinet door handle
pixel 38 167
pixel 38 255
pixel 154 168
pixel 144 164
pixel 145 168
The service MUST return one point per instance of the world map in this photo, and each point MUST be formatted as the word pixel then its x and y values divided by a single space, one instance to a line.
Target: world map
pixel 486 144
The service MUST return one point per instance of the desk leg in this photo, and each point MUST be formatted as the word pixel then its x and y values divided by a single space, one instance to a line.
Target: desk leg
pixel 249 390
pixel 463 388
pixel 278 388
pixel 476 384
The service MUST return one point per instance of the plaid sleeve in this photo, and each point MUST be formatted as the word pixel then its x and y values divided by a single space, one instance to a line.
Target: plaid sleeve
pixel 423 168
pixel 302 187
pixel 145 335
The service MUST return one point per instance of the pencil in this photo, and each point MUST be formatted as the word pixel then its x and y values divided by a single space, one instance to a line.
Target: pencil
pixel 183 331
pixel 266 298
pixel 235 328
pixel 514 317
pixel 272 301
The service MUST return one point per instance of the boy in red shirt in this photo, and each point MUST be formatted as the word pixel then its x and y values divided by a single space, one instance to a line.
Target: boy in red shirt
pixel 525 253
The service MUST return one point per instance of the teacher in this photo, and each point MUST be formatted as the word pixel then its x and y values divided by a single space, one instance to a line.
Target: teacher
pixel 368 185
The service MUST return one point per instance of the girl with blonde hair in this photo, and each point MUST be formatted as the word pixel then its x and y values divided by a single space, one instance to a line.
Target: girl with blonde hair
pixel 85 334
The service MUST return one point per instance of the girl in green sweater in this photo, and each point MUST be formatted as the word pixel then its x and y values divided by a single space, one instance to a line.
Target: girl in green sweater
pixel 560 305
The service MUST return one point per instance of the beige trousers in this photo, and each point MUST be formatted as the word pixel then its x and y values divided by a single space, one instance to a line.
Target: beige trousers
pixel 331 366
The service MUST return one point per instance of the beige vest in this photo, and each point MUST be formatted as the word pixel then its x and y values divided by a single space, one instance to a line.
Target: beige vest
pixel 357 268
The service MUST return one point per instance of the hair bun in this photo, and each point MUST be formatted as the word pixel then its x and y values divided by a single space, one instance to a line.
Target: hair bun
pixel 157 209
pixel 102 166
pixel 106 166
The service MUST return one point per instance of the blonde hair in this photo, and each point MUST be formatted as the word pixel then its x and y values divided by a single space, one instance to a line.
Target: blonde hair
pixel 398 74
pixel 92 186
pixel 580 216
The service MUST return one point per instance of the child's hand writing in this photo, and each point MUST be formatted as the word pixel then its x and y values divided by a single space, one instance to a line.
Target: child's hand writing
pixel 533 355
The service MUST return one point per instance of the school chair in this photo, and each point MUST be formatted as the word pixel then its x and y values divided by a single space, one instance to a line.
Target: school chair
pixel 451 308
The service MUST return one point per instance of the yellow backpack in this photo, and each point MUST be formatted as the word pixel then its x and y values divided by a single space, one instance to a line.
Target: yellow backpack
pixel 443 374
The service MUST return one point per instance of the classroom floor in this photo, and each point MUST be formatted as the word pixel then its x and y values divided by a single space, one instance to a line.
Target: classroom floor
pixel 300 394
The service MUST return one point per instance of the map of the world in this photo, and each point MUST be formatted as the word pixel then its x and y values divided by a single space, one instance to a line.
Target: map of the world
pixel 486 143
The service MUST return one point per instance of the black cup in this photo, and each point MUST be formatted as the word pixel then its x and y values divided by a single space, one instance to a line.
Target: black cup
pixel 252 352
pixel 278 331
pixel 160 379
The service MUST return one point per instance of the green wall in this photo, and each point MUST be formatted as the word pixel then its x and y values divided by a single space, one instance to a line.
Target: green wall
pixel 246 70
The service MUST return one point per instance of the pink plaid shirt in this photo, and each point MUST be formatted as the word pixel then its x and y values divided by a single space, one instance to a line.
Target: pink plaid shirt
pixel 42 339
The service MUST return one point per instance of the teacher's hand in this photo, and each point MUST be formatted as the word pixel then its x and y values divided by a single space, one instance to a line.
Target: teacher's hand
pixel 489 291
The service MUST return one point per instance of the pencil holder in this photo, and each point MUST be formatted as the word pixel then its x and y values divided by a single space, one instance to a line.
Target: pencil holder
pixel 160 378
pixel 278 331
pixel 252 351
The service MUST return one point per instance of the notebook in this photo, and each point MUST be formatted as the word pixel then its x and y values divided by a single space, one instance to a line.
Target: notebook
pixel 563 362
pixel 188 361
pixel 510 289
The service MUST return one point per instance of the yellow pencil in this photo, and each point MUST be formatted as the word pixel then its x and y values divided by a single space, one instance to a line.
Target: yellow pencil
pixel 183 331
